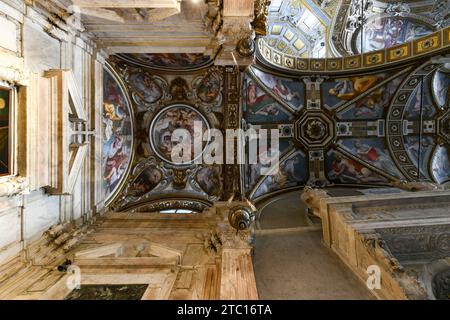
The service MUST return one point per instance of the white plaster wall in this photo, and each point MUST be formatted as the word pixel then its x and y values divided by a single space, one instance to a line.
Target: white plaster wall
pixel 9 227
pixel 40 212
pixel 27 216
pixel 41 51
pixel 9 38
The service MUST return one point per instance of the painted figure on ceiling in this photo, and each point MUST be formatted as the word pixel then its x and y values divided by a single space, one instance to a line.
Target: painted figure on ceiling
pixel 179 89
pixel 387 32
pixel 441 165
pixel 146 88
pixel 115 167
pixel 284 92
pixel 146 182
pixel 269 110
pixel 117 136
pixel 350 170
pixel 209 180
pixel 255 95
pixel 166 123
pixel 209 88
pixel 374 155
pixel 353 87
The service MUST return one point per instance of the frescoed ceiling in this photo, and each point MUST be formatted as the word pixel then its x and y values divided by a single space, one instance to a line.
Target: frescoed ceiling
pixel 373 120
pixel 372 129
pixel 159 103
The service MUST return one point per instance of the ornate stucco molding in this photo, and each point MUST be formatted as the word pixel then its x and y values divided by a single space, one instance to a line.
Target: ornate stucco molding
pixel 12 75
pixel 261 13
pixel 12 186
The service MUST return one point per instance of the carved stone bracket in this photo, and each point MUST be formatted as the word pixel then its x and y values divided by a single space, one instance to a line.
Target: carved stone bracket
pixel 312 198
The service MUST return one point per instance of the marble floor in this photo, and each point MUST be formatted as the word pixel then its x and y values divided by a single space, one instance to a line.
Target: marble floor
pixel 291 262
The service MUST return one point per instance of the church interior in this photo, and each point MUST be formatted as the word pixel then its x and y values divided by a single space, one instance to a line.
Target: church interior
pixel 354 94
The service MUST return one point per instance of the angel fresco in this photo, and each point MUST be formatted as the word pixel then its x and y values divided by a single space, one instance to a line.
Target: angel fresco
pixel 146 89
pixel 387 32
pixel 209 180
pixel 291 173
pixel 283 91
pixel 374 155
pixel 348 89
pixel 373 105
pixel 146 182
pixel 290 91
pixel 255 95
pixel 209 88
pixel 344 169
pixel 261 107
pixel 117 136
pixel 342 90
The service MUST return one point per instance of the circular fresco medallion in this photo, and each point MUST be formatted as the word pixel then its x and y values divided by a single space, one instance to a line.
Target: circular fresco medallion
pixel 179 119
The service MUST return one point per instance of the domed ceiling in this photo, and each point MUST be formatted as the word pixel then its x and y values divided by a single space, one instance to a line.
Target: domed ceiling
pixel 332 28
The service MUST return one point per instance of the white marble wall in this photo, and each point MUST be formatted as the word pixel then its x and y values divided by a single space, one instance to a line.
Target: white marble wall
pixel 30 45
